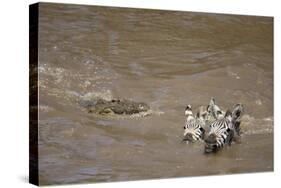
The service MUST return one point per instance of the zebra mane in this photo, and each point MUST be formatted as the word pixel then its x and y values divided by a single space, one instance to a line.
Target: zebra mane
pixel 228 113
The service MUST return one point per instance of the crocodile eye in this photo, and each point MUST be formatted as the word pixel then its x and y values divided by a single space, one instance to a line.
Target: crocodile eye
pixel 184 127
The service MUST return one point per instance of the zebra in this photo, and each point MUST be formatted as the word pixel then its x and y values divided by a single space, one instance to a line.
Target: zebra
pixel 223 131
pixel 214 111
pixel 196 126
pixel 193 129
pixel 220 134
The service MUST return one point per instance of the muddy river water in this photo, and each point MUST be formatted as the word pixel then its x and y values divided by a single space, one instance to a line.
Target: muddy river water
pixel 163 58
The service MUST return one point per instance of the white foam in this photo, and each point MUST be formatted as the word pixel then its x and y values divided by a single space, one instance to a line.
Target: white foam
pixel 251 125
pixel 247 117
pixel 258 102
pixel 268 119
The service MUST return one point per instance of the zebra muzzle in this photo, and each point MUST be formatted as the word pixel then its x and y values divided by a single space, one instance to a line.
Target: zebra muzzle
pixel 188 137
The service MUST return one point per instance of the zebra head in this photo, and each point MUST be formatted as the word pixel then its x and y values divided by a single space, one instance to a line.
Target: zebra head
pixel 217 139
pixel 214 111
pixel 221 133
pixel 193 131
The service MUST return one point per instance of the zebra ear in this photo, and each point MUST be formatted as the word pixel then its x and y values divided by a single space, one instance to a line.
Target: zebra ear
pixel 237 111
pixel 211 105
pixel 212 101
pixel 188 107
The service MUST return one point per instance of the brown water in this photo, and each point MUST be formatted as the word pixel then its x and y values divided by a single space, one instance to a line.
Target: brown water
pixel 166 59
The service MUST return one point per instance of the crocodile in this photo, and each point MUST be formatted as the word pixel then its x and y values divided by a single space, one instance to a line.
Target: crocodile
pixel 115 106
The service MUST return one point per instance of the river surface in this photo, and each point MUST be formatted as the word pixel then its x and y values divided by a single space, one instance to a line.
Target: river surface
pixel 163 58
